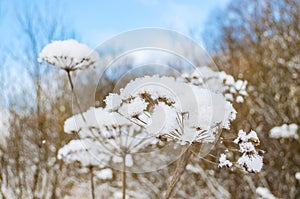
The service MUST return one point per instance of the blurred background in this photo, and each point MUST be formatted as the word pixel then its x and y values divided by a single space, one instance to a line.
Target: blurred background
pixel 258 41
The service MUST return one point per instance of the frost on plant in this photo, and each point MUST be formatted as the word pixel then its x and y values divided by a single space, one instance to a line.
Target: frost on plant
pixel 85 151
pixel 250 160
pixel 223 161
pixel 68 55
pixel 217 81
pixel 111 134
pixel 172 109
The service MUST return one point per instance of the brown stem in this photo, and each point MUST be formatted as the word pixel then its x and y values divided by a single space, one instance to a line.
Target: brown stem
pixel 74 94
pixel 123 173
pixel 181 164
pixel 92 182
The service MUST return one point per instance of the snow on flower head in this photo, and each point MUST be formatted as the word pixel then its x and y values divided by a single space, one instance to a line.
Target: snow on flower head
pixel 217 81
pixel 284 131
pixel 250 160
pixel 112 133
pixel 244 137
pixel 69 55
pixel 223 161
pixel 174 109
pixel 85 151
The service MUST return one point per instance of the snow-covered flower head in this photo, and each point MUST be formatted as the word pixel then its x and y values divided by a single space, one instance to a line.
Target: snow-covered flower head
pixel 85 151
pixel 223 161
pixel 173 109
pixel 251 160
pixel 69 55
pixel 112 134
pixel 220 82
pixel 244 137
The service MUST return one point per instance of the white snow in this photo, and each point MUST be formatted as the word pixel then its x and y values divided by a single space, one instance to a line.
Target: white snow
pixel 251 163
pixel 284 131
pixel 223 161
pixel 170 100
pixel 69 55
pixel 134 107
pixel 297 176
pixel 244 137
pixel 104 174
pixel 250 160
pixel 239 99
pixel 217 81
pixel 264 193
pixel 85 151
pixel 128 160
pixel 246 147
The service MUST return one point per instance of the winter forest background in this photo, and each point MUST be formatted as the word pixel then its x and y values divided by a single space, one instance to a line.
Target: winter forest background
pixel 252 42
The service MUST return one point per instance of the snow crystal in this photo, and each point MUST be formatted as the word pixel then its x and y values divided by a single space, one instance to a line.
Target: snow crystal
pixel 68 55
pixel 223 161
pixel 284 131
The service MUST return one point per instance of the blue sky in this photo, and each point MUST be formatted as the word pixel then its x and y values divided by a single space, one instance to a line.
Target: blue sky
pixel 94 21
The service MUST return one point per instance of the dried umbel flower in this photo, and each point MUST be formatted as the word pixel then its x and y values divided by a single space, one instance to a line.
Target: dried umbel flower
pixel 69 55
pixel 173 109
pixel 251 160
pixel 233 90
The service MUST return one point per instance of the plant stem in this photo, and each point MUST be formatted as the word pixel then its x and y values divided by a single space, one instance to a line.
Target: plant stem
pixel 74 94
pixel 181 164
pixel 123 175
pixel 92 182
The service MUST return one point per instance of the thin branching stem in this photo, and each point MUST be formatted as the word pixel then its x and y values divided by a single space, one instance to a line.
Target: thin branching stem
pixel 74 94
pixel 123 175
pixel 92 181
pixel 181 164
